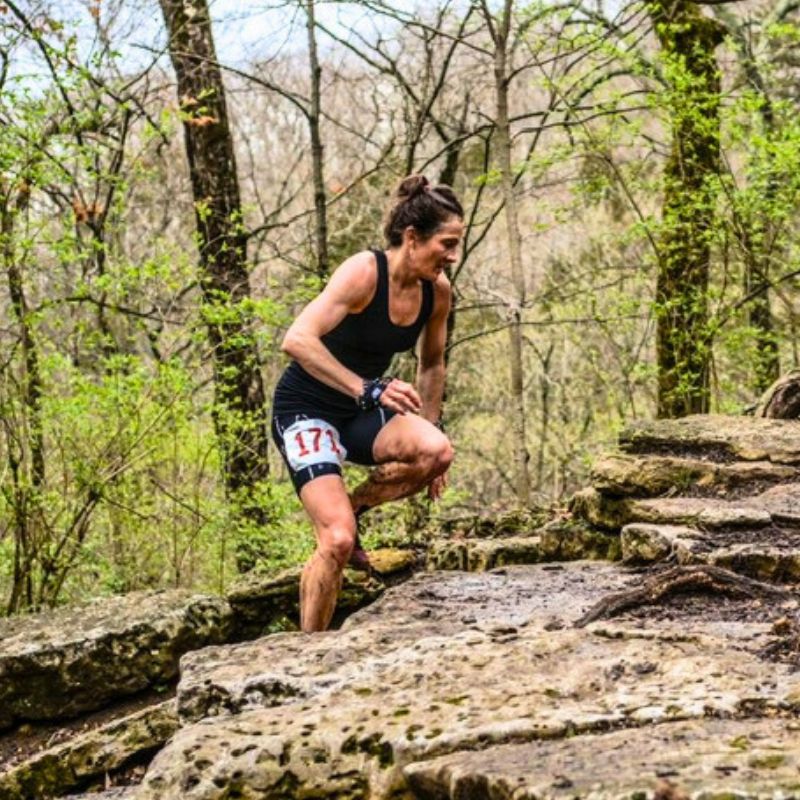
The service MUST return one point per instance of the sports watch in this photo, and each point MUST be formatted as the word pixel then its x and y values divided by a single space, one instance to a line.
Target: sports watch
pixel 371 396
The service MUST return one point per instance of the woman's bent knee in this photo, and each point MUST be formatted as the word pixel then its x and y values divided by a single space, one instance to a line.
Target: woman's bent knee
pixel 436 456
pixel 337 541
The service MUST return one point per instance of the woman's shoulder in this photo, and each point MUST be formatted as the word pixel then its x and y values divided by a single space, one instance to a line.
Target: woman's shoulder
pixel 356 277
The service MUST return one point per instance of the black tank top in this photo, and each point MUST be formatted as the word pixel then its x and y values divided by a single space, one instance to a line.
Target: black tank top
pixel 363 342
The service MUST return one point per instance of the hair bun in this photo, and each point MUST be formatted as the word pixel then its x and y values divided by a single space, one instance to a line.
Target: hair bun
pixel 412 186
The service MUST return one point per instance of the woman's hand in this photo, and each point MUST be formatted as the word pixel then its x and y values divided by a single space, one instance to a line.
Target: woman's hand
pixel 401 397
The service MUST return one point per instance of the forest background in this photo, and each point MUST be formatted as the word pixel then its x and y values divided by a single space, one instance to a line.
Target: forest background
pixel 178 178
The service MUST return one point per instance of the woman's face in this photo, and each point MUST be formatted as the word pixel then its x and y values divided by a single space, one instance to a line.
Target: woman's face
pixel 430 256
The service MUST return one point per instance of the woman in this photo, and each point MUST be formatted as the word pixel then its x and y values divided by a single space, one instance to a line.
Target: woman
pixel 334 403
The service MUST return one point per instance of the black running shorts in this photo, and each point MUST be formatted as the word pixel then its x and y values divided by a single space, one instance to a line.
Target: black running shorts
pixel 318 444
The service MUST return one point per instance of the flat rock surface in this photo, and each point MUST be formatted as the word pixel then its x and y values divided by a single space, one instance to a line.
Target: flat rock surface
pixel 702 758
pixel 717 437
pixel 456 662
pixel 64 662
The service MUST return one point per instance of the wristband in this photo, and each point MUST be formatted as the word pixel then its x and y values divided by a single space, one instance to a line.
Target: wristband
pixel 371 396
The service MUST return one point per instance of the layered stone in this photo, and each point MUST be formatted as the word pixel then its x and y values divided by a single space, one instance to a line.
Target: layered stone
pixel 650 475
pixel 717 437
pixel 613 513
pixel 556 541
pixel 90 756
pixel 64 662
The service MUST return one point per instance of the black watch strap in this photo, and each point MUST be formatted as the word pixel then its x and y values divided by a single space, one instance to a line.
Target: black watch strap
pixel 371 396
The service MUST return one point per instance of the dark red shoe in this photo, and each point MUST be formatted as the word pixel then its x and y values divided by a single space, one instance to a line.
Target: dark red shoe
pixel 359 559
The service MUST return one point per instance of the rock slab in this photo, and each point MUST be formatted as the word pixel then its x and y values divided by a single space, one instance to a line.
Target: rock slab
pixel 68 661
pixel 459 663
pixel 90 756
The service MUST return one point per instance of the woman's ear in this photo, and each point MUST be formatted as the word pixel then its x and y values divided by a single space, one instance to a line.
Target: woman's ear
pixel 410 235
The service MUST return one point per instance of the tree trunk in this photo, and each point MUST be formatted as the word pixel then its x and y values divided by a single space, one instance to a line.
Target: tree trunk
pixel 239 393
pixel 758 241
pixel 503 145
pixel 683 336
pixel 26 452
pixel 317 150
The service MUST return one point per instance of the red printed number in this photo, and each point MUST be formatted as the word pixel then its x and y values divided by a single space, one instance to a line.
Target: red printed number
pixel 317 435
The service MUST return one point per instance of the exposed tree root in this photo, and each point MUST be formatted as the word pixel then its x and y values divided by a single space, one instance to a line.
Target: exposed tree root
pixel 785 647
pixel 682 580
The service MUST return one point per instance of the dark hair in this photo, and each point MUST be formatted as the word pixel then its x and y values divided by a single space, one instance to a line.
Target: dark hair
pixel 424 207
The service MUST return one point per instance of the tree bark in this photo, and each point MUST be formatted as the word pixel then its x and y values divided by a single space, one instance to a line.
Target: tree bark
pixel 758 237
pixel 239 393
pixel 317 150
pixel 26 453
pixel 683 336
pixel 503 145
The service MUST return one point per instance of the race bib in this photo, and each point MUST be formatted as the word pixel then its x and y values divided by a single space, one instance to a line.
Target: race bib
pixel 312 441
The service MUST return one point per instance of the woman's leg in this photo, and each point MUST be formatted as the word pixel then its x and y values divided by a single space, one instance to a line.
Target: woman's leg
pixel 410 453
pixel 327 503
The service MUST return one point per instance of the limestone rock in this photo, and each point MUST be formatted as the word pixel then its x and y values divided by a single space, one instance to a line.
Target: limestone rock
pixel 747 760
pixel 560 540
pixel 613 513
pixel 758 561
pixel 782 503
pixel 479 555
pixel 63 662
pixel 643 543
pixel 647 476
pixel 716 437
pixel 389 561
pixel 449 662
pixel 91 755
pixel 572 540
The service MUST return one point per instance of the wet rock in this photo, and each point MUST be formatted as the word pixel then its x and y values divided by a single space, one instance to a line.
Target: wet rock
pixel 60 663
pixel 702 758
pixel 90 756
pixel 447 663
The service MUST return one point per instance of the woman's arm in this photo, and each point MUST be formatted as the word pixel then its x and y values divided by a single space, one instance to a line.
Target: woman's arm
pixel 431 370
pixel 348 291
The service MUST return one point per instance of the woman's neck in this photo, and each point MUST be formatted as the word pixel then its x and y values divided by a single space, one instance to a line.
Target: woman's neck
pixel 401 272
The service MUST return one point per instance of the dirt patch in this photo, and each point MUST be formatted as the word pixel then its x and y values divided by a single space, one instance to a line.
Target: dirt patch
pixel 715 454
pixel 707 606
pixel 28 739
